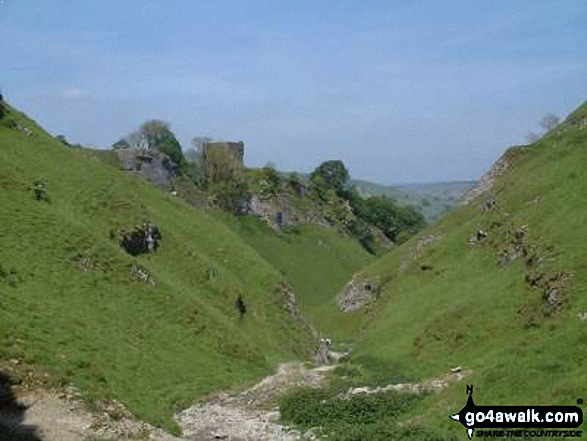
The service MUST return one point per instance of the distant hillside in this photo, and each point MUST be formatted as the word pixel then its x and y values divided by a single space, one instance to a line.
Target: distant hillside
pixel 432 200
pixel 498 287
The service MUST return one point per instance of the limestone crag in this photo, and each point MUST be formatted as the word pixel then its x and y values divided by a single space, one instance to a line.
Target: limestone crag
pixel 152 165
pixel 279 212
pixel 358 292
pixel 487 180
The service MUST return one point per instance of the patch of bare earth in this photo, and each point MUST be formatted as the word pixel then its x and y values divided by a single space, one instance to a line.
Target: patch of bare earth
pixel 252 414
pixel 61 416
pixel 432 385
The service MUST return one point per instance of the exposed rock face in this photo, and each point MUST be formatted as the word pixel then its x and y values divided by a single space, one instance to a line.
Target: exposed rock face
pixel 279 212
pixel 141 239
pixel 152 165
pixel 487 180
pixel 290 304
pixel 357 293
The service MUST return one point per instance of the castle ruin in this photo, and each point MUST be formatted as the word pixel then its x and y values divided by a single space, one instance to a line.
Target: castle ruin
pixel 220 161
pixel 236 150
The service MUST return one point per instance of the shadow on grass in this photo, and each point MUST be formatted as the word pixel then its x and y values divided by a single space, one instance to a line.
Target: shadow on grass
pixel 12 412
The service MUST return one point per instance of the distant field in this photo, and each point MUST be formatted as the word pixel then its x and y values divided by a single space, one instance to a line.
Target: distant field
pixel 432 200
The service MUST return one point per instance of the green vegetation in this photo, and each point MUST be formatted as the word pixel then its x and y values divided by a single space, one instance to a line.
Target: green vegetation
pixel 154 135
pixel 156 331
pixel 331 413
pixel 497 287
pixel 316 261
pixel 307 408
pixel 507 306
pixel 342 204
pixel 432 200
pixel 396 222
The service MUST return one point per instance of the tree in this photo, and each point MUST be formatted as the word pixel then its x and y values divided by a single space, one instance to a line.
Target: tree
pixel 332 173
pixel 270 182
pixel 396 222
pixel 154 135
pixel 153 132
pixel 294 181
pixel 122 143
pixel 549 122
pixel 231 195
pixel 167 143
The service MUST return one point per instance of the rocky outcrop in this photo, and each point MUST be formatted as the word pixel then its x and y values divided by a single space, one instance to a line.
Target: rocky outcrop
pixel 290 304
pixel 488 179
pixel 432 385
pixel 279 212
pixel 152 165
pixel 357 293
pixel 140 240
pixel 250 415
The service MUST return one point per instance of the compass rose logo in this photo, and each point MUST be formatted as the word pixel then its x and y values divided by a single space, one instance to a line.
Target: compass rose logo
pixel 468 409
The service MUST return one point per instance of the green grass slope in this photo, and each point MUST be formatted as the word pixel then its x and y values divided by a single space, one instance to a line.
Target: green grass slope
pixel 317 261
pixel 69 305
pixel 516 326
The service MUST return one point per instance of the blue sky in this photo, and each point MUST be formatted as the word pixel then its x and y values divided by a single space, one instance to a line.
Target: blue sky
pixel 401 91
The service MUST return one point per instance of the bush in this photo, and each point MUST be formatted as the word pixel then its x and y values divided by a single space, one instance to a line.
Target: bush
pixel 358 418
pixel 231 196
pixel 269 183
pixel 312 408
pixel 397 223
pixel 333 173
pixel 294 181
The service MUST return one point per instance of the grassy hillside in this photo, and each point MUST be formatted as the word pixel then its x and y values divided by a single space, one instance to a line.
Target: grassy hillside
pixel 432 200
pixel 316 261
pixel 70 305
pixel 515 324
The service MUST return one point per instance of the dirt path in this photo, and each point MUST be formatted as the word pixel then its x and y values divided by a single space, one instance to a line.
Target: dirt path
pixel 253 414
pixel 56 416
pixel 42 415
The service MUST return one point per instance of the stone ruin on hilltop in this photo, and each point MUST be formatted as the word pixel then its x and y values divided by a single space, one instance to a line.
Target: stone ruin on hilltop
pixel 236 150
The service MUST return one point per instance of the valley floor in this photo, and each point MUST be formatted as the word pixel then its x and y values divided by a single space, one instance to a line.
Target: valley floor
pixel 246 416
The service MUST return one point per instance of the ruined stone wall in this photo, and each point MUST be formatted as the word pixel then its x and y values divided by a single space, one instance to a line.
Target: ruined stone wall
pixel 235 149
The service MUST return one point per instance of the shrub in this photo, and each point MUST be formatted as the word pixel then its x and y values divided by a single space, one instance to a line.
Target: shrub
pixel 294 181
pixel 231 196
pixel 270 182
pixel 333 173
pixel 312 408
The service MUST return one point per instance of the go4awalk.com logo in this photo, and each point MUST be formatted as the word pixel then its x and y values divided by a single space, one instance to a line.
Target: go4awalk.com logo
pixel 518 421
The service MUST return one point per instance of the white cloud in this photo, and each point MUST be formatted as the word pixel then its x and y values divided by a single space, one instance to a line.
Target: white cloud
pixel 74 92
